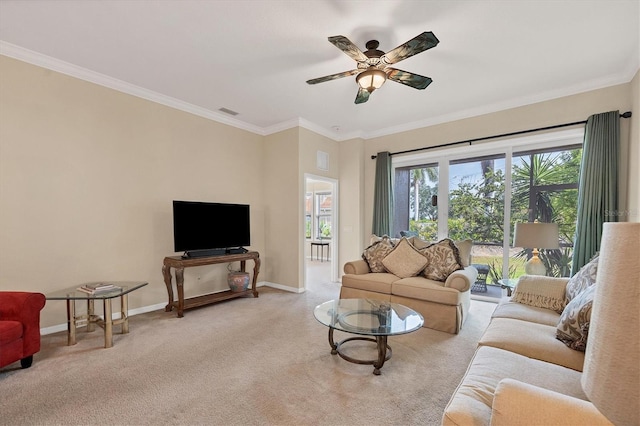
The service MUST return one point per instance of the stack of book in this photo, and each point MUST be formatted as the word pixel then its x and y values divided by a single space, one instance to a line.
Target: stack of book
pixel 94 288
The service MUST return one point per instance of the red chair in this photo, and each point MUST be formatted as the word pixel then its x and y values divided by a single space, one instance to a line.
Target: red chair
pixel 19 326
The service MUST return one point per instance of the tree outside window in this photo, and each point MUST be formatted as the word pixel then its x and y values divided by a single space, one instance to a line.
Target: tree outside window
pixel 324 206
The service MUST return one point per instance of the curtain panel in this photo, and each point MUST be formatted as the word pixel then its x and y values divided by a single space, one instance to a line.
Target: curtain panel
pixel 383 195
pixel 598 187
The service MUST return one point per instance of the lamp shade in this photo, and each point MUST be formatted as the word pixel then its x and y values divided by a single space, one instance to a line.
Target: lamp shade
pixel 536 235
pixel 611 375
pixel 371 79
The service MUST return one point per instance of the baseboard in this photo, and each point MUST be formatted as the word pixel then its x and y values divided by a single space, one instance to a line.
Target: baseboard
pixel 116 315
pixel 284 287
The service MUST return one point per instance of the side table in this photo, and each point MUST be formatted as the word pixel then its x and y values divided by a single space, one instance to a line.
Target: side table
pixel 509 284
pixel 73 320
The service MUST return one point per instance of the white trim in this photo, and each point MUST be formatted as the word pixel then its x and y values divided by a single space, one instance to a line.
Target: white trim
pixel 72 70
pixel 283 287
pixel 35 58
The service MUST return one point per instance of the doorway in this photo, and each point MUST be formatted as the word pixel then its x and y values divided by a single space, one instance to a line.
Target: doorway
pixel 320 236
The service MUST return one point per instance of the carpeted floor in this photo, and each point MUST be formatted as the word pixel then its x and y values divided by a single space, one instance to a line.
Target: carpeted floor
pixel 263 361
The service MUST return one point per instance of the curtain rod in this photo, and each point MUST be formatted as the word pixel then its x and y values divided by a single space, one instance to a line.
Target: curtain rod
pixel 521 132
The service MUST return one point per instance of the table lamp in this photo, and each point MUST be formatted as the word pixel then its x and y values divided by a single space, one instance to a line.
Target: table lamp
pixel 611 377
pixel 536 235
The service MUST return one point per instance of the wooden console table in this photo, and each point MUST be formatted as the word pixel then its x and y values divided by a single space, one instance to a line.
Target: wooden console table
pixel 178 263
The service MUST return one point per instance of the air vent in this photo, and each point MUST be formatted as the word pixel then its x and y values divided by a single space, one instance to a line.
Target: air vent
pixel 228 111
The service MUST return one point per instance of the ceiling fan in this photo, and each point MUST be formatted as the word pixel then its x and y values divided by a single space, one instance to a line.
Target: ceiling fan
pixel 373 65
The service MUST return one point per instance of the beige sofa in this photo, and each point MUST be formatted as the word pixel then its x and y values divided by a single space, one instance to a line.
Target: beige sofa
pixel 443 304
pixel 520 367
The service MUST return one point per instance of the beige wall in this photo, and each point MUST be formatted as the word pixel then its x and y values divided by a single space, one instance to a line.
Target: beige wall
pixel 87 176
pixel 281 187
pixel 557 111
pixel 634 152
pixel 352 184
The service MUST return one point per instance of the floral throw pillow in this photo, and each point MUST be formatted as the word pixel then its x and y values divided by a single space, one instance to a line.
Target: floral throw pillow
pixel 584 278
pixel 573 327
pixel 376 252
pixel 443 258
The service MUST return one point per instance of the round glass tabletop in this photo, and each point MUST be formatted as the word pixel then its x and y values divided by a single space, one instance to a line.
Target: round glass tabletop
pixel 368 317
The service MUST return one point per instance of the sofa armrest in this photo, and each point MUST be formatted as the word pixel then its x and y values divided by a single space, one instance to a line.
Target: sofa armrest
pixel 463 279
pixel 357 267
pixel 518 403
pixel 25 308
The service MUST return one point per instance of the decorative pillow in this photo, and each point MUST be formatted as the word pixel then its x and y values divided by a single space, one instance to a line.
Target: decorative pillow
pixel 464 247
pixel 584 278
pixel 376 252
pixel 573 327
pixel 405 260
pixel 443 258
pixel 374 239
pixel 419 243
pixel 540 292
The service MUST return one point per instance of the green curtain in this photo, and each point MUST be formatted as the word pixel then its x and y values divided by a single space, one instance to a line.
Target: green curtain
pixel 383 195
pixel 598 187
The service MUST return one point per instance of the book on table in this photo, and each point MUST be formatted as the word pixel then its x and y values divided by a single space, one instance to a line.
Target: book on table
pixel 93 288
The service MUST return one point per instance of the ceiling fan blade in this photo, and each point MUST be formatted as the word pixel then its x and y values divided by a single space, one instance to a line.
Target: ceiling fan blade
pixel 333 77
pixel 418 44
pixel 344 44
pixel 362 96
pixel 409 79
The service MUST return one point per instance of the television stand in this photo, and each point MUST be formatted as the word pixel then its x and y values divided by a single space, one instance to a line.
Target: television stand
pixel 179 264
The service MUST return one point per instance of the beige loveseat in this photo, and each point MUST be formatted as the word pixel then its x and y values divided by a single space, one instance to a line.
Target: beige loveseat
pixel 443 304
pixel 521 374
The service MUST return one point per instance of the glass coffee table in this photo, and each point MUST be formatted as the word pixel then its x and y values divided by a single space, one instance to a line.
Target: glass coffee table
pixel 367 317
pixel 90 319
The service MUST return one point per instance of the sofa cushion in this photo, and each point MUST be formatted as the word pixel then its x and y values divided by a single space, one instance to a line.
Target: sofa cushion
pixel 573 327
pixel 584 278
pixel 424 289
pixel 405 260
pixel 532 340
pixel 378 282
pixel 443 258
pixel 471 403
pixel 508 309
pixel 376 252
pixel 541 292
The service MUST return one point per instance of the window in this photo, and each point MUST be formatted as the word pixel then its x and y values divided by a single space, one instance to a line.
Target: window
pixel 480 192
pixel 323 215
pixel 308 211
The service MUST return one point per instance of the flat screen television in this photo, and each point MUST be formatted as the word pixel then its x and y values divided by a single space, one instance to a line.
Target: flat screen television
pixel 208 229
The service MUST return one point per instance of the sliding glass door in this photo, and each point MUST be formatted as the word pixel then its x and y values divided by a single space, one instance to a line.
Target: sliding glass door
pixel 486 192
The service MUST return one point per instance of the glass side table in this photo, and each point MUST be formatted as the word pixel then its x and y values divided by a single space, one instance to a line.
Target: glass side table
pixel 90 319
pixel 509 284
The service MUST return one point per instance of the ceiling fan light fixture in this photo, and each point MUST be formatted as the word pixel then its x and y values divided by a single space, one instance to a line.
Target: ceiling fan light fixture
pixel 371 79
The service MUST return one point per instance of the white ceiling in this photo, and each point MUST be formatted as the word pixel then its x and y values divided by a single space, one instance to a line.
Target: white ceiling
pixel 254 57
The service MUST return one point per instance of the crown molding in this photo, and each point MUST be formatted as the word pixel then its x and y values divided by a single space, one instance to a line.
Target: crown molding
pixel 48 62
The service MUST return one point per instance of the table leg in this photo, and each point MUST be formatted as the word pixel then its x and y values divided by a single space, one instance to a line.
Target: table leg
pixel 108 324
pixel 91 325
pixel 381 341
pixel 254 281
pixel 180 288
pixel 334 346
pixel 166 273
pixel 124 313
pixel 71 322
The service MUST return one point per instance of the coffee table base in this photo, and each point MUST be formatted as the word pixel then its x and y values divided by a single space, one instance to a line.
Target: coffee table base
pixel 384 351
